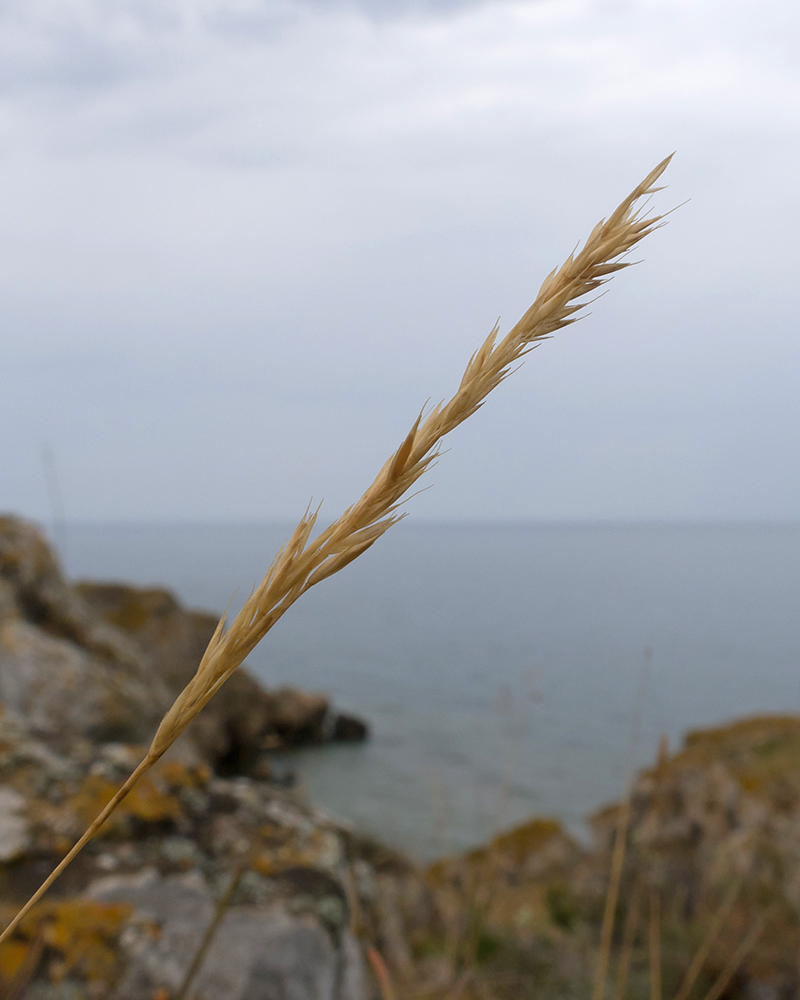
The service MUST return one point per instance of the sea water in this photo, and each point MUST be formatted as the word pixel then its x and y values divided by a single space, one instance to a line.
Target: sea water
pixel 502 668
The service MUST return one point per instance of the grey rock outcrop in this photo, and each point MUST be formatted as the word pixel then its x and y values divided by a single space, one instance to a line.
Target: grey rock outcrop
pixel 103 662
pixel 67 671
pixel 258 953
pixel 141 898
pixel 14 828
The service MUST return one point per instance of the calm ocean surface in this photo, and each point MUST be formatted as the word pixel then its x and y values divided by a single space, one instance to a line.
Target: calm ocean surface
pixel 499 666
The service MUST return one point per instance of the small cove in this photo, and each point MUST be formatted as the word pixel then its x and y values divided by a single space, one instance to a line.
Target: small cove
pixel 498 665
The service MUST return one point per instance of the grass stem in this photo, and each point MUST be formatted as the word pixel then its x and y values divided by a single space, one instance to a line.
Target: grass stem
pixel 305 561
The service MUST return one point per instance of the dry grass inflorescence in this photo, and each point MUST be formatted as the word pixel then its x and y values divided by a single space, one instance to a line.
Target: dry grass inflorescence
pixel 307 559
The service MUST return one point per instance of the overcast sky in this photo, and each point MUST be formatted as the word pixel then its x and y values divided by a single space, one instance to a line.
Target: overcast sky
pixel 242 243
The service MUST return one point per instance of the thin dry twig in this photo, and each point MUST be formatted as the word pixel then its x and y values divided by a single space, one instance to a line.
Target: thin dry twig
pixel 628 941
pixel 708 941
pixel 221 909
pixel 654 941
pixel 19 984
pixel 381 973
pixel 737 958
pixel 304 562
pixel 620 839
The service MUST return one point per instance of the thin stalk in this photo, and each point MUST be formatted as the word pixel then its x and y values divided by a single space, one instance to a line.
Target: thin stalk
pixel 305 561
pixel 381 973
pixel 708 942
pixel 628 940
pixel 20 983
pixel 612 896
pixel 654 940
pixel 736 959
pixel 620 839
pixel 210 934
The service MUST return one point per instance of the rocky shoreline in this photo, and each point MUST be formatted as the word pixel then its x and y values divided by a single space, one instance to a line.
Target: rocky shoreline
pixel 211 863
pixel 103 662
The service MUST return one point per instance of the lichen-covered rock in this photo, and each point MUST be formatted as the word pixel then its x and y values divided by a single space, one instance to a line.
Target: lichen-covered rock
pixel 159 870
pixel 519 882
pixel 712 842
pixel 34 590
pixel 721 819
pixel 105 661
pixel 719 809
pixel 86 674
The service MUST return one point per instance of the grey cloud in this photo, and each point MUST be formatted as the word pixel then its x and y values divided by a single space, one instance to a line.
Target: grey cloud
pixel 259 24
pixel 96 44
pixel 74 54
pixel 263 20
pixel 75 60
pixel 211 250
pixel 390 10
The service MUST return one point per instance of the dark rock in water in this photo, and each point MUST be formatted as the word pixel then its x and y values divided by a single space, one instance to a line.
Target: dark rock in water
pixel 349 729
pixel 104 661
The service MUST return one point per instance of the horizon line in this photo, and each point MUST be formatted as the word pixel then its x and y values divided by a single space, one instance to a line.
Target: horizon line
pixel 431 522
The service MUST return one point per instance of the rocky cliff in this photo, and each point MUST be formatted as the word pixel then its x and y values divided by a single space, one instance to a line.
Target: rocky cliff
pixel 104 661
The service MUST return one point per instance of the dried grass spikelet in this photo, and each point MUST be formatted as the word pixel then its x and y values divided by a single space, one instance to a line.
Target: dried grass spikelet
pixel 304 562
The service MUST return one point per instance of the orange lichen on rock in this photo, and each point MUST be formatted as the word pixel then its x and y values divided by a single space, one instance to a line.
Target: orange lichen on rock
pixel 154 800
pixel 276 853
pixel 514 885
pixel 12 957
pixel 74 936
pixel 151 801
pixel 272 862
pixel 178 775
pixel 541 843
